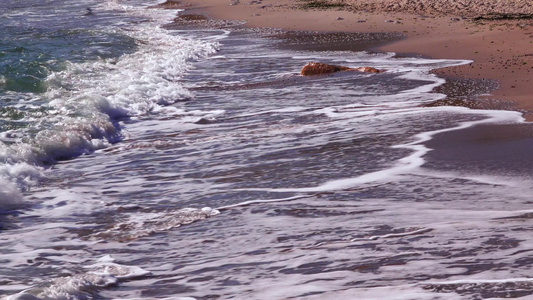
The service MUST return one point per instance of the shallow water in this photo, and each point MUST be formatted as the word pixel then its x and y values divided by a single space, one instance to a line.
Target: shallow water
pixel 199 164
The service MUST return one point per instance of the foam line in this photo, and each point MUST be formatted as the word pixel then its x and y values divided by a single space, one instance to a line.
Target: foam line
pixel 394 235
pixel 483 179
pixel 246 203
pixel 100 275
pixel 480 281
pixel 410 163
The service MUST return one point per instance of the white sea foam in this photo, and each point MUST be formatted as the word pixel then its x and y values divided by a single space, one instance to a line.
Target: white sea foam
pixel 87 97
pixel 139 224
pixel 402 292
pixel 165 298
pixel 9 195
pixel 481 280
pixel 403 234
pixel 103 273
pixel 306 246
pixel 411 163
pixel 246 203
pixel 14 178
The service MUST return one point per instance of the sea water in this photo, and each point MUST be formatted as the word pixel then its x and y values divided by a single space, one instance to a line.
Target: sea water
pixel 139 162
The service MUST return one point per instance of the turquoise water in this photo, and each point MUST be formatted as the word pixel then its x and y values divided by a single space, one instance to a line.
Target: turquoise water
pixel 40 39
pixel 62 86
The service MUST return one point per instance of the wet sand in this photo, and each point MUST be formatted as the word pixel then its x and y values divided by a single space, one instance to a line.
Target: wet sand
pixel 497 37
pixel 488 149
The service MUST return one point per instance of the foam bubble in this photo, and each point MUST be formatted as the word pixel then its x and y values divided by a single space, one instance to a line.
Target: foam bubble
pixel 9 195
pixel 140 223
pixel 83 286
pixel 14 178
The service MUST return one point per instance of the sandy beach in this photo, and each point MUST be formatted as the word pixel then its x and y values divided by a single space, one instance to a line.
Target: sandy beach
pixel 497 37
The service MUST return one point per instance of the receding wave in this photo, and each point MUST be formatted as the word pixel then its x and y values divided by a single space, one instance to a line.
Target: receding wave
pixel 86 101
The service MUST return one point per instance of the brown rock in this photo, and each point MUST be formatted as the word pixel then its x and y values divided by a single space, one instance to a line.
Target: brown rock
pixel 169 4
pixel 320 68
pixel 368 70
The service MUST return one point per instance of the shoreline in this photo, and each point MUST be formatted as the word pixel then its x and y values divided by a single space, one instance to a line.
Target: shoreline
pixel 500 50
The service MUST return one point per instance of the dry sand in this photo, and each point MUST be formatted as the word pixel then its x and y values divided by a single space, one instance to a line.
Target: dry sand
pixel 499 42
